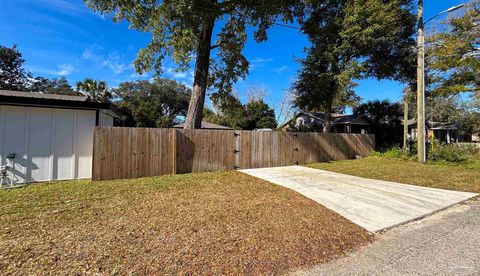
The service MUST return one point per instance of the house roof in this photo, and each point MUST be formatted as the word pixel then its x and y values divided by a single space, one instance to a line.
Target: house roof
pixel 338 118
pixel 435 125
pixel 206 125
pixel 9 97
pixel 443 125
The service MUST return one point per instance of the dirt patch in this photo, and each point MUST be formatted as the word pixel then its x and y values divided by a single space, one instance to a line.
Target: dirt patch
pixel 210 223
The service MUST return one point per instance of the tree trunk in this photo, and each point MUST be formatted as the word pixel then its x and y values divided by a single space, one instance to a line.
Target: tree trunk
pixel 327 126
pixel 200 80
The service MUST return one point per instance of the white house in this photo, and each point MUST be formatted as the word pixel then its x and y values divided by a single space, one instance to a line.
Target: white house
pixel 48 137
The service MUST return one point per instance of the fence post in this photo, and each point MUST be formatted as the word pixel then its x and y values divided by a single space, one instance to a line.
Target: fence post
pixel 95 164
pixel 174 151
pixel 238 149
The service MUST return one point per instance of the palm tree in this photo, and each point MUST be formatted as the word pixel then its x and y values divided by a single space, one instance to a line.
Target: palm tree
pixel 96 91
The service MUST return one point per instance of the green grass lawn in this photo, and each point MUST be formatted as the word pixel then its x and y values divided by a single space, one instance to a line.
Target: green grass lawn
pixel 207 223
pixel 460 177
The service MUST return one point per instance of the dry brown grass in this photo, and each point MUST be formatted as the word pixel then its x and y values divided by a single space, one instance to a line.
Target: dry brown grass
pixel 459 177
pixel 211 223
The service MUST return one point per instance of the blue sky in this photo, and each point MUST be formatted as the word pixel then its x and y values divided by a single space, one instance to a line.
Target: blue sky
pixel 64 38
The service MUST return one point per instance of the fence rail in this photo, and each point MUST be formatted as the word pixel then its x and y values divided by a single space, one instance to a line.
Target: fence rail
pixel 138 152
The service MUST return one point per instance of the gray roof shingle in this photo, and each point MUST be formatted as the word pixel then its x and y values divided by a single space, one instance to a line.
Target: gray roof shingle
pixel 38 95
pixel 206 125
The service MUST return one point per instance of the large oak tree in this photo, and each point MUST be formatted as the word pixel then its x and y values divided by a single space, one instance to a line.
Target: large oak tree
pixel 191 30
pixel 156 103
pixel 12 74
pixel 353 39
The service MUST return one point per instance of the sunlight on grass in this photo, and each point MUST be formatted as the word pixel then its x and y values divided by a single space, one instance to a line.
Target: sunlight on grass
pixel 460 177
pixel 214 223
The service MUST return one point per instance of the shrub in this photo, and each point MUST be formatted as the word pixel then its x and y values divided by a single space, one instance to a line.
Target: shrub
pixel 448 153
pixel 437 153
pixel 393 153
pixel 469 148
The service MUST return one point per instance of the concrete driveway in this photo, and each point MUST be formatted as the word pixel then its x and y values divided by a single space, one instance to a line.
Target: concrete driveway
pixel 372 204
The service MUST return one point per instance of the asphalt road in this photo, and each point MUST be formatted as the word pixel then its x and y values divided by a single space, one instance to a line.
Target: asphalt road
pixel 445 243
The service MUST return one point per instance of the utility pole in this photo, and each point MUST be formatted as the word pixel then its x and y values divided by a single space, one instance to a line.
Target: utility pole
pixel 405 118
pixel 420 86
pixel 422 153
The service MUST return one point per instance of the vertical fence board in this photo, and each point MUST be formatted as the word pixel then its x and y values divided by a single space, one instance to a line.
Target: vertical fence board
pixel 137 152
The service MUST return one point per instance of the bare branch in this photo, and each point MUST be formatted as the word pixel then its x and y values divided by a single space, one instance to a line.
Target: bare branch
pixel 285 106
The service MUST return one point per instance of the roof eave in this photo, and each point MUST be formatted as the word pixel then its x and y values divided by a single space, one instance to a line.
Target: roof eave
pixel 40 102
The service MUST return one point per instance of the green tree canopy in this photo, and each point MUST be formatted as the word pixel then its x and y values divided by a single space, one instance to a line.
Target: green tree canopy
pixel 53 86
pixel 96 91
pixel 380 111
pixel 229 111
pixel 466 114
pixel 12 74
pixel 454 55
pixel 353 39
pixel 259 115
pixel 386 121
pixel 183 30
pixel 151 104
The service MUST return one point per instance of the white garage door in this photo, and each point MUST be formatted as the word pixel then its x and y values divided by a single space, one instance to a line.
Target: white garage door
pixel 49 143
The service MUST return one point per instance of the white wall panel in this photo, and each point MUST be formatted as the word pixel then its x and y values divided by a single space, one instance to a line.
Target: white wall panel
pixel 105 120
pixel 63 144
pixel 84 143
pixel 39 144
pixel 49 143
pixel 13 132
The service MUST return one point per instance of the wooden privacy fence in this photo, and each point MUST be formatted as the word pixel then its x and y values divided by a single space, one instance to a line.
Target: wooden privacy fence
pixel 138 152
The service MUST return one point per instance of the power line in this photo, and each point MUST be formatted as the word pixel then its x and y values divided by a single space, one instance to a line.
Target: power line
pixel 239 14
pixel 287 26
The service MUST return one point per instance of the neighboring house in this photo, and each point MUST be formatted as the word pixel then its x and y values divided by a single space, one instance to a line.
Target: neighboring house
pixel 444 132
pixel 476 136
pixel 341 123
pixel 51 136
pixel 207 125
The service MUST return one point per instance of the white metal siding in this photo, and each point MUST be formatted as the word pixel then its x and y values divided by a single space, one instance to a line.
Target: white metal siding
pixel 49 143
pixel 39 144
pixel 84 149
pixel 105 119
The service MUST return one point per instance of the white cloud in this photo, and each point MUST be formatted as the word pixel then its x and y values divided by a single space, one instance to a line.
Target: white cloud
pixel 112 60
pixel 281 68
pixel 136 75
pixel 259 62
pixel 62 70
pixel 189 85
pixel 76 8
pixel 63 5
pixel 171 72
pixel 65 69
